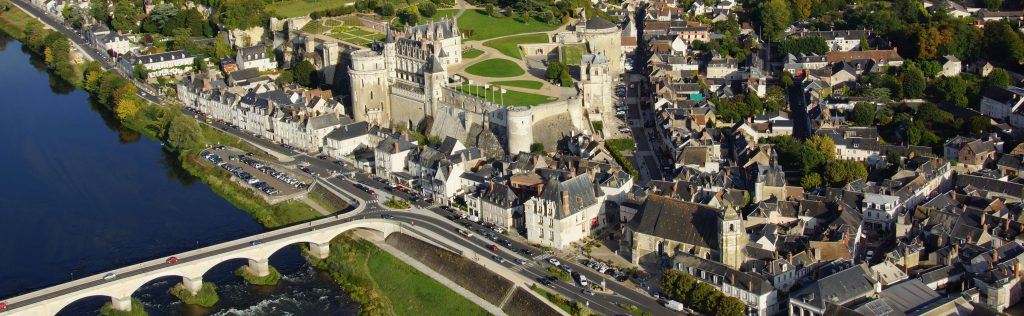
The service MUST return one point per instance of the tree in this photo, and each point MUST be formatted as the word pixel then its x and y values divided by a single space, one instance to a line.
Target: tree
pixel 303 73
pixel 913 82
pixel 863 114
pixel 786 79
pixel 428 9
pixel 243 14
pixel 126 108
pixel 998 78
pixel 802 9
pixel 931 68
pixel 98 10
pixel 1002 43
pixel 775 16
pixel 731 306
pixel 951 90
pixel 409 15
pixel 182 40
pixel 388 9
pixel 928 42
pixel 977 124
pixel 806 45
pixel 992 5
pixel 810 181
pixel 183 133
pixel 841 172
pixel 125 16
pixel 825 145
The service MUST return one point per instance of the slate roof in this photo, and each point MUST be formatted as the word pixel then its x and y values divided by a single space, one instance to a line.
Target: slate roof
pixel 499 194
pixel 685 222
pixel 349 131
pixel 172 55
pixel 581 194
pixel 840 288
pixel 749 282
pixel 597 23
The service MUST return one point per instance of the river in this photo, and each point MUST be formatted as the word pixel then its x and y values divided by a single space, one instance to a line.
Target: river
pixel 80 195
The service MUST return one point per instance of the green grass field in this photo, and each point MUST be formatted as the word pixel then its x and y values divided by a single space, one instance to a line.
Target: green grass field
pixel 528 84
pixel 472 53
pixel 355 35
pixel 294 8
pixel 510 97
pixel 508 45
pixel 476 25
pixel 496 68
pixel 387 285
pixel 571 54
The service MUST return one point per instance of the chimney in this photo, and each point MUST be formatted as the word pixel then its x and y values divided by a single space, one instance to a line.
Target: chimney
pixel 565 202
pixel 995 255
pixel 492 185
pixel 790 258
pixel 396 147
pixel 984 218
pixel 732 279
pixel 1016 270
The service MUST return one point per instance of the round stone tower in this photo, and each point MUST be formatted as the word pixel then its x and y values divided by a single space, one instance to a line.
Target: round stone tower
pixel 369 82
pixel 520 129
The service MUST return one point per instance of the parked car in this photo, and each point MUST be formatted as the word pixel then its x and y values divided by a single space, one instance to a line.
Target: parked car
pixel 554 262
pixel 520 261
pixel 172 260
pixel 110 276
pixel 465 232
pixel 492 247
pixel 387 216
pixel 587 292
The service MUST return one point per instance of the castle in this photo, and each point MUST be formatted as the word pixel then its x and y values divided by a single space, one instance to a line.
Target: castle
pixel 403 82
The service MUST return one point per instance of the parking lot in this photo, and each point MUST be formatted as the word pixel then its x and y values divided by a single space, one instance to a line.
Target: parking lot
pixel 269 179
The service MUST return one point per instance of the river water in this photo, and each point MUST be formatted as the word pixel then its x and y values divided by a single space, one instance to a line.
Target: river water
pixel 80 195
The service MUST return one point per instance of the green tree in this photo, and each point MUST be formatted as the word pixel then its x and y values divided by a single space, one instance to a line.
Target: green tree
pixel 998 78
pixel 992 5
pixel 304 72
pixel 428 9
pixel 786 79
pixel 1002 43
pixel 183 133
pixel 98 10
pixel 775 17
pixel 243 14
pixel 841 172
pixel 913 82
pixel 409 15
pixel 182 40
pixel 125 16
pixel 802 9
pixel 863 114
pixel 951 90
pixel 805 45
pixel 825 145
pixel 388 9
pixel 731 306
pixel 810 181
pixel 977 124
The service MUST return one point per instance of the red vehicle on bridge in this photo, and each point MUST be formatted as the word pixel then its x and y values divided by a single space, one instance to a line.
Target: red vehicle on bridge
pixel 3 306
pixel 172 260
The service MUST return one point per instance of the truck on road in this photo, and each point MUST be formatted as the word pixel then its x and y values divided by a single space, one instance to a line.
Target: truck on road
pixel 673 305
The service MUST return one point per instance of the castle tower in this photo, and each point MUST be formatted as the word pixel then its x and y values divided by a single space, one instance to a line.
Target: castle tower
pixel 390 55
pixel 732 238
pixel 435 77
pixel 596 81
pixel 604 37
pixel 520 129
pixel 371 100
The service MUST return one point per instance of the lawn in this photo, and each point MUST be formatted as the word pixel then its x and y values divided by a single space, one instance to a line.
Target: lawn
pixel 509 98
pixel 13 21
pixel 571 54
pixel 477 25
pixel 387 285
pixel 508 45
pixel 472 53
pixel 527 84
pixel 294 8
pixel 496 68
pixel 355 35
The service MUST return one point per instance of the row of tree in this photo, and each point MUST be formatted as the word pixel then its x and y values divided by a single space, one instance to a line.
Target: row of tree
pixel 815 159
pixel 701 296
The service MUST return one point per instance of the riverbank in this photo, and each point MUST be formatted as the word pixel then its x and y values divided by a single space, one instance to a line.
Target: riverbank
pixel 184 136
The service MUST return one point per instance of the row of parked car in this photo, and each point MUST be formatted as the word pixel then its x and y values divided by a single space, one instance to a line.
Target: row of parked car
pixel 240 173
pixel 273 173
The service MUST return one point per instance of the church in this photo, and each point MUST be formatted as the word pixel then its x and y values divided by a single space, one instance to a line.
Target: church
pixel 667 227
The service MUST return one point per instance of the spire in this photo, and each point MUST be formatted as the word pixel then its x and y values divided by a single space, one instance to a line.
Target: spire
pixel 390 38
pixel 434 65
